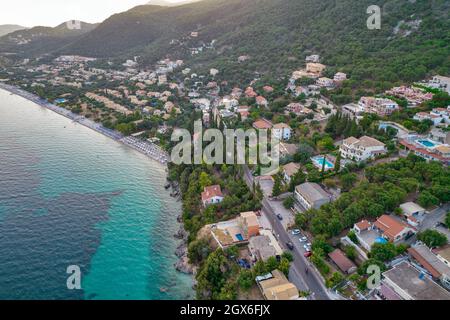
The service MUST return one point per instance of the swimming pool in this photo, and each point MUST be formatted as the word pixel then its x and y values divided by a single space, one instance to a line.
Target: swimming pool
pixel 239 237
pixel 319 160
pixel 427 143
pixel 380 240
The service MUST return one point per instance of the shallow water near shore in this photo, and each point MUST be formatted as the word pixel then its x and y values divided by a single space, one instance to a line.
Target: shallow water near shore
pixel 70 196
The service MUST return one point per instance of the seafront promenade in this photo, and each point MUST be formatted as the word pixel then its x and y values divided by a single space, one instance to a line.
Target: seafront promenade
pixel 147 148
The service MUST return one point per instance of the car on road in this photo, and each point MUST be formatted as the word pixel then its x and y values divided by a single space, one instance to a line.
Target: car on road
pixel 279 216
pixel 290 245
pixel 307 248
pixel 303 239
pixel 309 244
pixel 307 254
pixel 296 232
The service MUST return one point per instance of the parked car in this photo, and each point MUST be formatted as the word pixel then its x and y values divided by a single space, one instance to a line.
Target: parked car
pixel 279 216
pixel 307 254
pixel 303 239
pixel 290 245
pixel 244 264
pixel 440 224
pixel 307 248
pixel 295 232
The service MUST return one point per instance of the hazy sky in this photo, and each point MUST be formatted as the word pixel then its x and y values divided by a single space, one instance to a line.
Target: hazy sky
pixel 31 13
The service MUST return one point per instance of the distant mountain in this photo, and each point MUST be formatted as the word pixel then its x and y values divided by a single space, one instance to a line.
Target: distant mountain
pixel 167 3
pixel 8 28
pixel 43 40
pixel 413 42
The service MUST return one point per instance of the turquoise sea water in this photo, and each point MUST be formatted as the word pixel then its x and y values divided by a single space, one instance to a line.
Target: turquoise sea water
pixel 70 196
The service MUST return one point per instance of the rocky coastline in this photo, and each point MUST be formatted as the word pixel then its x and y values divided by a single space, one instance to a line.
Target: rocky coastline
pixel 182 265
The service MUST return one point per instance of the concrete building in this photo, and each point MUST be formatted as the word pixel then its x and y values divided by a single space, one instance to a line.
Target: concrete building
pixel 440 82
pixel 428 259
pixel 325 82
pixel 361 149
pixel 413 213
pixel 440 136
pixel 275 286
pixel 315 68
pixel 289 170
pixel 282 131
pixel 264 246
pixel 380 106
pixel 408 283
pixel 315 58
pixel 311 195
pixel 339 77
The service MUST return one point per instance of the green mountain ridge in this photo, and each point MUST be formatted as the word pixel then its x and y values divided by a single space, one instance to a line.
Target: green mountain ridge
pixel 43 40
pixel 413 42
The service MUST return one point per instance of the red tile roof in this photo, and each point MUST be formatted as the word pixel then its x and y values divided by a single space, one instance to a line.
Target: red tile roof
pixel 363 225
pixel 262 124
pixel 211 192
pixel 344 263
pixel 413 147
pixel 390 226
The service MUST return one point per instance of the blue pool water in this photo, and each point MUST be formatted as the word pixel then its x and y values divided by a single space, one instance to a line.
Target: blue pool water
pixel 427 143
pixel 320 160
pixel 380 240
pixel 60 100
pixel 240 237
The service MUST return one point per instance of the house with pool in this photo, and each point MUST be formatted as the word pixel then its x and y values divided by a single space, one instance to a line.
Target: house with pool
pixel 236 231
pixel 427 148
pixel 385 229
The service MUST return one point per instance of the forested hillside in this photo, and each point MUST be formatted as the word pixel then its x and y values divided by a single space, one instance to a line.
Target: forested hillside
pixel 41 40
pixel 414 40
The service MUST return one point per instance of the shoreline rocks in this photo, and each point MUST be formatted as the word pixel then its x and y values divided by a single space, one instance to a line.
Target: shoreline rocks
pixel 183 265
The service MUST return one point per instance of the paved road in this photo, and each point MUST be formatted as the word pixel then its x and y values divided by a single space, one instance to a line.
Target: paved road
pixel 309 281
pixel 435 216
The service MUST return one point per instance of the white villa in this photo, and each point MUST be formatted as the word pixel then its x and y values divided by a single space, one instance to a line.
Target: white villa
pixel 282 131
pixel 361 149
